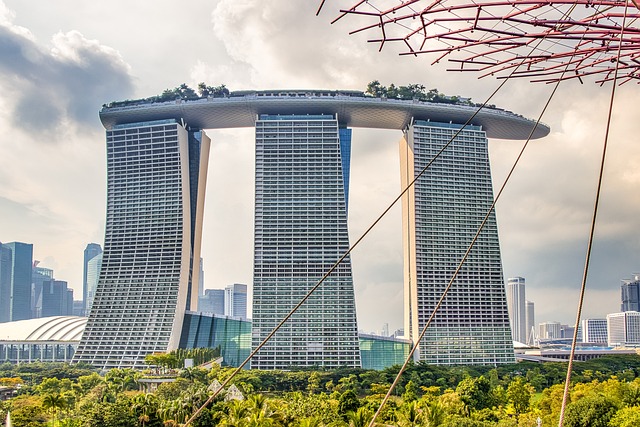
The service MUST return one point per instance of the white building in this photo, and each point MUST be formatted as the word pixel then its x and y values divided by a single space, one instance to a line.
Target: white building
pixel 517 308
pixel 549 331
pixel 594 331
pixel 624 328
pixel 530 315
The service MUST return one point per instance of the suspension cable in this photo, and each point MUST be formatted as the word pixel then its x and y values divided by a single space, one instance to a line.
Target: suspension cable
pixel 567 382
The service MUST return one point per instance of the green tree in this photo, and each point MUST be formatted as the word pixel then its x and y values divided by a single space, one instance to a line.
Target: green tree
pixel 410 392
pixel 475 393
pixel 359 418
pixel 54 402
pixel 626 417
pixel 519 395
pixel 348 402
pixel 591 411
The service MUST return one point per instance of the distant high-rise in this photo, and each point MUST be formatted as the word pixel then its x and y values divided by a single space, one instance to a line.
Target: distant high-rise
pixel 212 301
pixel 624 328
pixel 517 308
pixel 549 330
pixel 156 173
pixel 441 214
pixel 201 279
pixel 6 257
pixel 235 300
pixel 91 251
pixel 57 299
pixel 39 278
pixel 594 331
pixel 93 275
pixel 630 294
pixel 302 181
pixel 16 264
pixel 529 312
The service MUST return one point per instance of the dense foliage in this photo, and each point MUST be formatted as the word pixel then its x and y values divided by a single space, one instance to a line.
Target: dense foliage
pixel 605 392
pixel 374 89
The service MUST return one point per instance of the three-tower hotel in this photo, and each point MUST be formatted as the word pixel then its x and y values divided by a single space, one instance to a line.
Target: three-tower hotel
pixel 157 157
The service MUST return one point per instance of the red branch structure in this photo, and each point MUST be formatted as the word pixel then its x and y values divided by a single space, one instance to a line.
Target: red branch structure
pixel 543 41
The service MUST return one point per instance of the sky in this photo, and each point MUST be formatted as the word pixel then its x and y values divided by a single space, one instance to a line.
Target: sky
pixel 60 61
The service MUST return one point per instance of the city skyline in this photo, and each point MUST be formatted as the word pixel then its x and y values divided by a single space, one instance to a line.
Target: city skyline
pixel 68 65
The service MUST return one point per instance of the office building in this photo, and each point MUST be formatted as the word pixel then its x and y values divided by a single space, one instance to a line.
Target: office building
pixel 91 251
pixel 212 301
pixel 630 294
pixel 235 300
pixel 6 257
pixel 16 263
pixel 302 180
pixel 529 314
pixel 91 281
pixel 624 329
pixel 594 331
pixel 517 308
pixel 201 279
pixel 441 215
pixel 57 299
pixel 39 277
pixel 156 173
pixel 549 331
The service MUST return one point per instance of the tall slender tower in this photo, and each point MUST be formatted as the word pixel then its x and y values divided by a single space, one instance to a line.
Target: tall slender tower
pixel 302 180
pixel 441 214
pixel 156 173
pixel 530 314
pixel 517 308
pixel 91 251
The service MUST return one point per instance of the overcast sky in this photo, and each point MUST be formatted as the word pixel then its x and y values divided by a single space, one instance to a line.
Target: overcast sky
pixel 60 61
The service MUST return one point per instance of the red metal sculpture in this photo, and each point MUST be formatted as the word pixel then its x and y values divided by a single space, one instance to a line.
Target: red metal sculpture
pixel 544 41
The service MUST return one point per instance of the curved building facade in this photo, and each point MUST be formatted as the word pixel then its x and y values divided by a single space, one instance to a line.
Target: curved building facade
pixel 156 171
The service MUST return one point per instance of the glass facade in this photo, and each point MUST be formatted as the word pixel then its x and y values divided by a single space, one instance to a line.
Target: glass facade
pixel 302 164
pixel 379 353
pixel 233 336
pixel 152 220
pixel 441 215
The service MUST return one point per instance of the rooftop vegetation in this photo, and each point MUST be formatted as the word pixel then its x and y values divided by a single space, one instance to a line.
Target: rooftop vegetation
pixel 374 89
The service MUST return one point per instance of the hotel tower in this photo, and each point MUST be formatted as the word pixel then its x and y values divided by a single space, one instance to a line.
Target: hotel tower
pixel 302 192
pixel 441 214
pixel 156 174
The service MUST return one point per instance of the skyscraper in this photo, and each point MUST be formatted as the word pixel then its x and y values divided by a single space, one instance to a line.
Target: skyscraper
pixel 6 257
pixel 92 277
pixel 517 308
pixel 630 294
pixel 156 173
pixel 153 229
pixel 441 215
pixel 16 263
pixel 57 299
pixel 235 300
pixel 530 315
pixel 212 301
pixel 92 250
pixel 302 180
pixel 40 277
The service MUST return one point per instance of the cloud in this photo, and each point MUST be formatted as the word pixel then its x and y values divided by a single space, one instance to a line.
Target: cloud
pixel 63 84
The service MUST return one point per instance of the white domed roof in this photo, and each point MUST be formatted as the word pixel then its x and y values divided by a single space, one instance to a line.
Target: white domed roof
pixel 55 328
